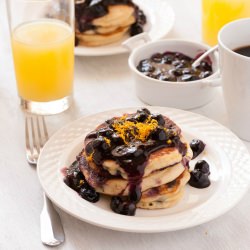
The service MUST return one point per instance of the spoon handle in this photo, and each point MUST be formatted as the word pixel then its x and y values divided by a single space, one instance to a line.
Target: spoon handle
pixel 197 61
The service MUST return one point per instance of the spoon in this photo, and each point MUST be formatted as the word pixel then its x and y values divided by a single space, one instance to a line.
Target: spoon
pixel 199 59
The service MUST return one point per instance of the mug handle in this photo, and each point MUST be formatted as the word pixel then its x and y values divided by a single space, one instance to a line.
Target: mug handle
pixel 136 41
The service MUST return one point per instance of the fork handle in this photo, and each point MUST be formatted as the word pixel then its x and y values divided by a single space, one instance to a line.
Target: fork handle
pixel 52 233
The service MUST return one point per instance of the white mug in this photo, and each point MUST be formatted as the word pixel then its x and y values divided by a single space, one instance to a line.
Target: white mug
pixel 235 75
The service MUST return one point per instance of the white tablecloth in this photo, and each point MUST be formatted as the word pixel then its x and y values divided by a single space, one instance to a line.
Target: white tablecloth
pixel 96 81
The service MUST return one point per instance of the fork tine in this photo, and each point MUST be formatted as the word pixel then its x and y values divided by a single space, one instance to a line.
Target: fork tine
pixel 45 130
pixel 27 139
pixel 40 140
pixel 36 146
pixel 36 136
pixel 42 130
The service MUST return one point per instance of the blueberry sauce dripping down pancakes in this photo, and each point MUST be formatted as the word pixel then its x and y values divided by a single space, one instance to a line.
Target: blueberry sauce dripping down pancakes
pixel 139 159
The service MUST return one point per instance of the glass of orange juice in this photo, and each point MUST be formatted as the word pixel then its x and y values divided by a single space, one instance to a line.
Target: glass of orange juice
pixel 216 13
pixel 42 36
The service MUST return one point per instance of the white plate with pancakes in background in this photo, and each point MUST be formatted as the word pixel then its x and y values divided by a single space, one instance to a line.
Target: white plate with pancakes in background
pixel 228 159
pixel 159 21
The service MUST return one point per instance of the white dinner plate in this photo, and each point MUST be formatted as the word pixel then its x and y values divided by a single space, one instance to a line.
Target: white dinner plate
pixel 227 156
pixel 160 20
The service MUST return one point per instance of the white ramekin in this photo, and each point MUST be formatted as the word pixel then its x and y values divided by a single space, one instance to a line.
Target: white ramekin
pixel 182 95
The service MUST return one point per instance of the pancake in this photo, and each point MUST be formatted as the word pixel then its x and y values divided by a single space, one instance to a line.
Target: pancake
pixel 101 39
pixel 141 159
pixel 109 29
pixel 103 22
pixel 166 195
pixel 105 183
pixel 117 16
pixel 157 160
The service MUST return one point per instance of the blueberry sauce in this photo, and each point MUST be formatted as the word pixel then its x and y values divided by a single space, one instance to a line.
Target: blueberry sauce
pixel 89 10
pixel 129 140
pixel 76 180
pixel 174 67
pixel 197 147
pixel 200 175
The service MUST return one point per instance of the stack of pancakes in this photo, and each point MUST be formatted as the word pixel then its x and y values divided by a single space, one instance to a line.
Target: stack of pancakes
pixel 108 28
pixel 164 175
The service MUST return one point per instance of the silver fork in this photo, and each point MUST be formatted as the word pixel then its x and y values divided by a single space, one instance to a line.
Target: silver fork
pixel 36 135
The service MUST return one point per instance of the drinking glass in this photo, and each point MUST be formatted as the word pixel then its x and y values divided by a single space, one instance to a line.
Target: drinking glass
pixel 216 13
pixel 42 37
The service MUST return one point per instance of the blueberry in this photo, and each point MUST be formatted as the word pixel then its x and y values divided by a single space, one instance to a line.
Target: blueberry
pixel 100 143
pixel 202 166
pixel 135 29
pixel 144 110
pixel 157 57
pixel 159 118
pixel 176 72
pixel 140 17
pixel 205 74
pixel 97 157
pixel 180 66
pixel 74 176
pixel 115 202
pixel 186 78
pixel 88 193
pixel 198 179
pixel 121 206
pixel 145 66
pixel 92 135
pixel 194 78
pixel 168 58
pixel 96 143
pixel 197 147
pixel 142 114
pixel 176 62
pixel 115 138
pixel 141 117
pixel 165 77
pixel 185 62
pixel 124 150
pixel 92 145
pixel 205 66
pixel 182 57
pixel 187 71
pixel 131 119
pixel 110 121
pixel 159 135
pixel 152 75
pixel 107 132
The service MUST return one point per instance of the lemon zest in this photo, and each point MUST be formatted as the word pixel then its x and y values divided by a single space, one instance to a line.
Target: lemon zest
pixel 90 157
pixel 135 130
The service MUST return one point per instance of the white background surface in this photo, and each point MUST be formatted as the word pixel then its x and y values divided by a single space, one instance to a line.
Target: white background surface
pixel 100 84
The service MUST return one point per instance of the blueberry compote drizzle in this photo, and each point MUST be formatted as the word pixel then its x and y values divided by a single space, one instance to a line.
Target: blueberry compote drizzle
pixel 76 180
pixel 88 10
pixel 129 140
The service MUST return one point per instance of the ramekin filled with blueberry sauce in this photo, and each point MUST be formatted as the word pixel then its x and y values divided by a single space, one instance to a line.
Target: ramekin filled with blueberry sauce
pixel 164 75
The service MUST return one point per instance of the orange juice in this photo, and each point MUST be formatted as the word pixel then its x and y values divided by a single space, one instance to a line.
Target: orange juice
pixel 43 54
pixel 216 13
